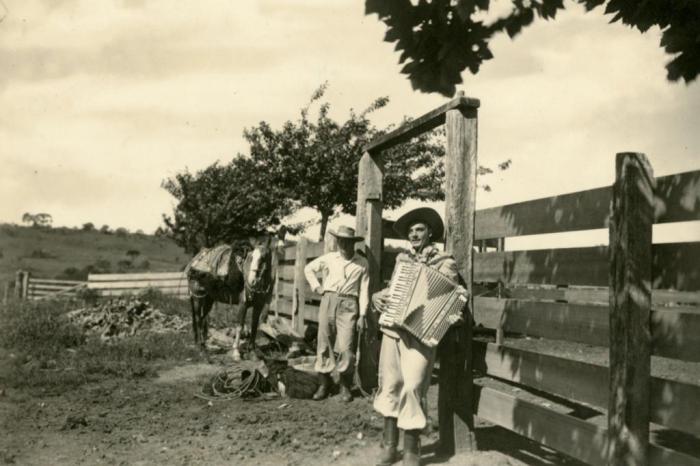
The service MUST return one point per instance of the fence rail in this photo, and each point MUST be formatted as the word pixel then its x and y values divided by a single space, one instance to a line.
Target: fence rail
pixel 171 283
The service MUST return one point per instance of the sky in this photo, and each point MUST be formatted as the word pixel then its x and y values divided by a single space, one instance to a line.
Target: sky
pixel 100 101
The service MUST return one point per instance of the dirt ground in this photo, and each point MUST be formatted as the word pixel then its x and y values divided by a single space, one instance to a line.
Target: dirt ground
pixel 161 421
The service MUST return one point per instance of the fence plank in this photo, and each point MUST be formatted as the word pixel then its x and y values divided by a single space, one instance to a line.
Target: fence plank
pixel 591 295
pixel 630 307
pixel 582 323
pixel 673 404
pixel 54 281
pixel 675 201
pixel 674 266
pixel 675 331
pixel 137 284
pixel 577 438
pixel 107 277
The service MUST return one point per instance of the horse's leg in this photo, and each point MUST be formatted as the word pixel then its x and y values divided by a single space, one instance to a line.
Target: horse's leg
pixel 195 304
pixel 204 323
pixel 258 305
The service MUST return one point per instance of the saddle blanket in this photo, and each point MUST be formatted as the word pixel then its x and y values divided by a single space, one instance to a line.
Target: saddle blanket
pixel 215 261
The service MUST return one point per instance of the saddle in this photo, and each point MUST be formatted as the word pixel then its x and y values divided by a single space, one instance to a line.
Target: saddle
pixel 214 261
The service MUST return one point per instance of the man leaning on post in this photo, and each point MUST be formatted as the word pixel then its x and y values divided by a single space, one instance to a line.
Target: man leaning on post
pixel 343 307
pixel 405 363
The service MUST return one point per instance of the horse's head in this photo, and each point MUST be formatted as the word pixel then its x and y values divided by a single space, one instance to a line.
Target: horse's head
pixel 257 269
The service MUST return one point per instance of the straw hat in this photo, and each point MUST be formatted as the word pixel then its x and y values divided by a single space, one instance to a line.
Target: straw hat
pixel 426 215
pixel 345 232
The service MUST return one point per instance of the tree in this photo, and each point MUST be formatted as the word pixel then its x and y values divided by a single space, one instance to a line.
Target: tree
pixel 439 39
pixel 121 232
pixel 89 226
pixel 222 203
pixel 105 229
pixel 38 220
pixel 315 163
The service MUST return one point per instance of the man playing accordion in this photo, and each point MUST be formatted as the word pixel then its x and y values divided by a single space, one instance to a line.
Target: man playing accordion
pixel 405 362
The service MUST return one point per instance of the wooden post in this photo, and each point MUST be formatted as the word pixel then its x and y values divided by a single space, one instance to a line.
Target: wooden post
pixel 25 285
pixel 299 298
pixel 456 390
pixel 18 284
pixel 630 307
pixel 368 223
pixel 275 278
pixel 500 334
pixel 6 293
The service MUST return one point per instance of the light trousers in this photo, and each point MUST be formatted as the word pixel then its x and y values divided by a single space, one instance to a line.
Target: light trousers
pixel 405 369
pixel 337 321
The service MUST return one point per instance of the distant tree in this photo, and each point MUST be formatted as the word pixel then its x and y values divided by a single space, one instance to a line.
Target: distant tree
pixel 121 232
pixel 140 232
pixel 105 229
pixel 38 220
pixel 160 231
pixel 439 39
pixel 28 218
pixel 89 226
pixel 221 203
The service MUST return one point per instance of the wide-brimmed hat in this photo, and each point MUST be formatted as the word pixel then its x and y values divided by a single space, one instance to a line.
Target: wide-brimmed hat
pixel 345 232
pixel 426 215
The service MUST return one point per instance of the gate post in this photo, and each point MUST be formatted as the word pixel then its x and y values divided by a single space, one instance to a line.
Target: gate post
pixel 456 390
pixel 630 307
pixel 368 223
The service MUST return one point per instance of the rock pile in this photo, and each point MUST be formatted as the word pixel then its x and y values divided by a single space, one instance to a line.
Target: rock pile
pixel 125 317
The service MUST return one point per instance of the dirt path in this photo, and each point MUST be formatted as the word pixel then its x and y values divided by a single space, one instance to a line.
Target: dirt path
pixel 160 421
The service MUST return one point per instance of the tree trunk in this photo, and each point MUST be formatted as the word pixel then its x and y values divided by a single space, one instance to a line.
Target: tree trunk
pixel 324 224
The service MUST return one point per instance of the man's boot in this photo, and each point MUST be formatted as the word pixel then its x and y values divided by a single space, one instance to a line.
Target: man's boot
pixel 411 448
pixel 323 387
pixel 345 384
pixel 390 440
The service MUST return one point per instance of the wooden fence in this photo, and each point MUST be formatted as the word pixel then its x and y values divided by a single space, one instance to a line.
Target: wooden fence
pixel 557 388
pixel 116 284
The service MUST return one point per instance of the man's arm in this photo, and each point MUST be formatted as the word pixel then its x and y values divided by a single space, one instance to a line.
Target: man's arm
pixel 364 292
pixel 310 271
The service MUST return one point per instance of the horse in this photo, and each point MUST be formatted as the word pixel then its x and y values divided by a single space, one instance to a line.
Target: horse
pixel 257 272
pixel 247 283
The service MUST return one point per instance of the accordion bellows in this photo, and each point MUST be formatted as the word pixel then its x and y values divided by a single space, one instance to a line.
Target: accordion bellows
pixel 422 301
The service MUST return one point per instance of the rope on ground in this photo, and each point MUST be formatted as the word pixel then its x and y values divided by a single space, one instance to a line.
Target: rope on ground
pixel 234 384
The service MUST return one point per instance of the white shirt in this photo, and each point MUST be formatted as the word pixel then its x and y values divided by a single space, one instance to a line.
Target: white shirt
pixel 343 276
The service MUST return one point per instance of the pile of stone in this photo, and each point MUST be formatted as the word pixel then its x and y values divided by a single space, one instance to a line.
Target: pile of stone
pixel 125 317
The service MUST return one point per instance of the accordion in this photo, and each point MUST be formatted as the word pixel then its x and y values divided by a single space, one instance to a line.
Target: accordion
pixel 422 301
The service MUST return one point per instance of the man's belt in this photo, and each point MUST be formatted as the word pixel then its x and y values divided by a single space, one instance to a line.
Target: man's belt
pixel 341 295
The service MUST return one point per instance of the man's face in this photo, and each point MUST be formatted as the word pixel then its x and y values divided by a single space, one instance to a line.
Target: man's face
pixel 346 246
pixel 419 235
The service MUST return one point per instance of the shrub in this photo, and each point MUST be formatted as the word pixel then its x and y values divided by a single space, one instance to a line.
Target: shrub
pixel 89 226
pixel 121 232
pixel 41 254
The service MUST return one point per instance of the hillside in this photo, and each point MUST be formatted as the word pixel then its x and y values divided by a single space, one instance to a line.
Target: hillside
pixel 72 254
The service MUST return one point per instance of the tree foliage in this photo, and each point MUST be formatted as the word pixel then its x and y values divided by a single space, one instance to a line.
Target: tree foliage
pixel 315 161
pixel 438 39
pixel 38 220
pixel 221 203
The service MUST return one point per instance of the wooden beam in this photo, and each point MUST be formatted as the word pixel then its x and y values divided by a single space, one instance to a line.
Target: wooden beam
pixel 299 285
pixel 630 307
pixel 455 392
pixel 580 439
pixel 675 201
pixel 422 124
pixel 674 266
pixel 369 223
pixel 673 404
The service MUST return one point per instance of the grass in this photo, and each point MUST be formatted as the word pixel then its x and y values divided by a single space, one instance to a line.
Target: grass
pixel 41 348
pixel 49 252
